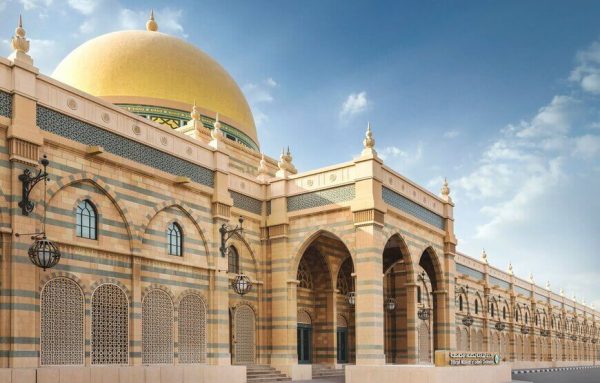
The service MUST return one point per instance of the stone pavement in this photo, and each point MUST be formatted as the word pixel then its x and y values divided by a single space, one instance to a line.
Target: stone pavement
pixel 337 379
pixel 589 375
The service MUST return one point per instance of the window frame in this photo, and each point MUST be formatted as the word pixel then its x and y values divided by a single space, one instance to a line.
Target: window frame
pixel 236 263
pixel 174 231
pixel 92 224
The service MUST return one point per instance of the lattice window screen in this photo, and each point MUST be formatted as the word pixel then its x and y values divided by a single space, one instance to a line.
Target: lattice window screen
pixel 304 318
pixel 304 275
pixel 110 326
pixel 424 344
pixel 157 328
pixel 341 321
pixel 61 323
pixel 192 330
pixel 244 335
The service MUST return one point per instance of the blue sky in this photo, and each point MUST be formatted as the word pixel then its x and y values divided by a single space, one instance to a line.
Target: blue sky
pixel 500 97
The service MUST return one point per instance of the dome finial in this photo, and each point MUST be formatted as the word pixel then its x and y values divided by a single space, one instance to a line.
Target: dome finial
pixel 369 141
pixel 151 24
pixel 445 192
pixel 195 114
pixel 510 268
pixel 19 42
pixel 484 258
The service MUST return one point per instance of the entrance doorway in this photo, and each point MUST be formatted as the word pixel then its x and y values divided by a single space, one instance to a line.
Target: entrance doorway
pixel 244 342
pixel 342 344
pixel 304 342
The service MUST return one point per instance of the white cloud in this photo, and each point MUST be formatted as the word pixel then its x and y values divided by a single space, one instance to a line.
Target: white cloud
pixel 587 72
pixel 553 119
pixel 86 7
pixel 402 160
pixel 587 146
pixel 259 94
pixel 355 103
pixel 32 4
pixel 451 134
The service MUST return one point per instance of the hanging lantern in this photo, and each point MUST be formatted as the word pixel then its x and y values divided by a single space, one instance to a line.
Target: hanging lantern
pixel 390 304
pixel 500 326
pixel 241 284
pixel 468 320
pixel 423 314
pixel 351 298
pixel 43 253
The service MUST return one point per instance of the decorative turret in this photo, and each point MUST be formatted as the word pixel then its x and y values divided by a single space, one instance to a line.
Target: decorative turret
pixel 445 192
pixel 263 171
pixel 285 163
pixel 20 45
pixel 484 258
pixel 531 278
pixel 562 292
pixel 151 24
pixel 216 134
pixel 369 143
pixel 510 268
pixel 548 285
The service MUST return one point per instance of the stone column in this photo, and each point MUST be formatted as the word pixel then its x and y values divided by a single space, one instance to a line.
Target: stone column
pixel 369 296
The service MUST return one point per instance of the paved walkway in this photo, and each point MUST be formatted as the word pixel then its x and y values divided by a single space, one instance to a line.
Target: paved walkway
pixel 589 375
pixel 337 379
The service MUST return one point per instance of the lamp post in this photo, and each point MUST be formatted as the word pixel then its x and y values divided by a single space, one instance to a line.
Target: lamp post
pixel 43 253
pixel 241 284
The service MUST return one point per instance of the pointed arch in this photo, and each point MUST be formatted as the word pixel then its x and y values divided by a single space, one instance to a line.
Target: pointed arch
pixel 396 241
pixel 301 248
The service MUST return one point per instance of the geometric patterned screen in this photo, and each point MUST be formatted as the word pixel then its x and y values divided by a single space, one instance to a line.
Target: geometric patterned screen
pixel 157 328
pixel 192 330
pixel 400 202
pixel 5 104
pixel 61 323
pixel 321 198
pixel 424 344
pixel 244 335
pixel 244 202
pixel 110 325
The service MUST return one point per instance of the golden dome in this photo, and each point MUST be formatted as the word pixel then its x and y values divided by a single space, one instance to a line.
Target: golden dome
pixel 155 69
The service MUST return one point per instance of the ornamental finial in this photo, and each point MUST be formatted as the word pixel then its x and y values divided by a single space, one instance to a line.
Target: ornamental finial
pixel 216 133
pixel 151 24
pixel 531 278
pixel 369 141
pixel 285 162
pixel 263 171
pixel 19 43
pixel 484 257
pixel 548 285
pixel 195 114
pixel 510 268
pixel 562 292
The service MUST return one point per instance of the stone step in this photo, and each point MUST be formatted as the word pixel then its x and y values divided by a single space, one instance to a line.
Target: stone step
pixel 264 374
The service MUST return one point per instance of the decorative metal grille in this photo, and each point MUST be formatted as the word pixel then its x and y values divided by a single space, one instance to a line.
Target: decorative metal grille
pixel 61 323
pixel 244 202
pixel 321 198
pixel 400 202
pixel 304 318
pixel 341 321
pixel 344 279
pixel 244 335
pixel 424 344
pixel 110 325
pixel 192 330
pixel 304 276
pixel 5 104
pixel 88 134
pixel 157 328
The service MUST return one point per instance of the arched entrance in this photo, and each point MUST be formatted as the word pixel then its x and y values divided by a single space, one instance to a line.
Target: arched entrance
pixel 244 335
pixel 430 302
pixel 325 278
pixel 397 287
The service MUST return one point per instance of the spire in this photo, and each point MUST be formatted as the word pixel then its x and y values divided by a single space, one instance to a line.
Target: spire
pixel 548 285
pixel 19 42
pixel 531 278
pixel 216 133
pixel 484 257
pixel 510 268
pixel 195 114
pixel 285 163
pixel 562 292
pixel 445 192
pixel 151 24
pixel 369 141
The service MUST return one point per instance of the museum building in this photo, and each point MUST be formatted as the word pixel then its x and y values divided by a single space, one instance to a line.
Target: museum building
pixel 133 162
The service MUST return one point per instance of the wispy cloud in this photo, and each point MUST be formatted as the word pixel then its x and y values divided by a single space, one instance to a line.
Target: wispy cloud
pixel 450 134
pixel 33 4
pixel 354 104
pixel 258 95
pixel 587 72
pixel 84 6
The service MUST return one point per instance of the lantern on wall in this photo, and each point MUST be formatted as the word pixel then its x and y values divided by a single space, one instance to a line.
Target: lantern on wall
pixel 43 253
pixel 351 298
pixel 241 284
pixel 424 313
pixel 468 320
pixel 500 326
pixel 390 304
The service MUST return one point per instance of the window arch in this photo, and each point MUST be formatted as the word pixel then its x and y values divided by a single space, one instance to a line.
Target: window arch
pixel 192 329
pixel 110 325
pixel 61 323
pixel 460 302
pixel 504 313
pixel 476 306
pixel 86 220
pixel 233 260
pixel 157 328
pixel 526 317
pixel 175 239
pixel 517 311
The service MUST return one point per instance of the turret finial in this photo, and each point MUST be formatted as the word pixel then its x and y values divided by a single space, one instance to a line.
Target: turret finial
pixel 263 171
pixel 531 278
pixel 369 141
pixel 510 268
pixel 151 24
pixel 484 257
pixel 216 133
pixel 562 292
pixel 19 43
pixel 195 114
pixel 548 285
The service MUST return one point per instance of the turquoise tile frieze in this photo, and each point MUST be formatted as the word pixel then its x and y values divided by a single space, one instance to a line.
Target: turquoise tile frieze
pixel 321 198
pixel 65 126
pixel 400 202
pixel 5 104
pixel 244 202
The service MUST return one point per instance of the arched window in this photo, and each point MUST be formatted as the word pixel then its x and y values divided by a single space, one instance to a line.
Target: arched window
pixel 492 310
pixel 192 330
pixel 460 302
pixel 517 315
pixel 526 318
pixel 157 328
pixel 476 306
pixel 544 322
pixel 110 325
pixel 86 220
pixel 418 294
pixel 233 260
pixel 537 319
pixel 503 312
pixel 62 319
pixel 175 239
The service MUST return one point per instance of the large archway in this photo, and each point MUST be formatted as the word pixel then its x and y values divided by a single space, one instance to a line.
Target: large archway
pixel 325 276
pixel 399 289
pixel 432 302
